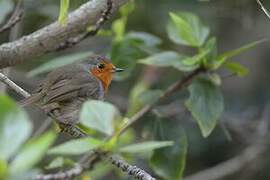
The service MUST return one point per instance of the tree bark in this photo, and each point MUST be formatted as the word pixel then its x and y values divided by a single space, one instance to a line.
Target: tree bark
pixel 48 38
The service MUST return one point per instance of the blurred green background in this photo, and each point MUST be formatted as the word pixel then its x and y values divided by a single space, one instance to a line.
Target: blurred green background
pixel 233 22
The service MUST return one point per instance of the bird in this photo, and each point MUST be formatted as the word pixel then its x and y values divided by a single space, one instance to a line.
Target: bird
pixel 64 90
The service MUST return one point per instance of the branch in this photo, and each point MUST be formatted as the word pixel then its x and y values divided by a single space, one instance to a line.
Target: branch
pixel 73 172
pixel 266 12
pixel 178 85
pixel 14 18
pixel 104 16
pixel 50 37
pixel 71 130
pixel 61 175
pixel 95 157
pixel 13 86
pixel 133 171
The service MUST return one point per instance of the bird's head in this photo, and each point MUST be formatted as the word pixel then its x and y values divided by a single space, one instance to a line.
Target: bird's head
pixel 102 68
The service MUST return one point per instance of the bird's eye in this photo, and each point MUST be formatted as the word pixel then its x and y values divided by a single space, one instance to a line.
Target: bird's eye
pixel 101 66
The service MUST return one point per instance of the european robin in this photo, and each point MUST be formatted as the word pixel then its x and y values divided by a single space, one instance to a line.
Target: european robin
pixel 65 89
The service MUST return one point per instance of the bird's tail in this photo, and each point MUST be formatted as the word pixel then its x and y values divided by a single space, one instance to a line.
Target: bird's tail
pixel 30 100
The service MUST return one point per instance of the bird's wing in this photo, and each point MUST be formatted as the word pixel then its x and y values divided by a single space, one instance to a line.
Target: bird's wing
pixel 55 79
pixel 81 85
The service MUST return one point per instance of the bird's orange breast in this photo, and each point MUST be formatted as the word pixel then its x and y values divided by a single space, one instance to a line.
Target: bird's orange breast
pixel 104 76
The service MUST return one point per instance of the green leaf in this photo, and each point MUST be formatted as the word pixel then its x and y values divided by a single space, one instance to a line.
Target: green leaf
pixel 236 68
pixel 124 54
pixel 101 169
pixel 3 169
pixel 127 137
pixel 150 96
pixel 168 59
pixel 127 8
pixel 56 163
pixel 186 29
pixel 145 146
pixel 134 102
pixel 14 125
pixel 205 104
pixel 32 153
pixel 60 162
pixel 141 95
pixel 244 48
pixel 211 46
pixel 5 8
pixel 197 59
pixel 126 49
pixel 64 6
pixel 104 32
pixel 58 62
pixel 214 78
pixel 99 115
pixel 118 27
pixel 216 63
pixel 163 59
pixel 146 38
pixel 169 162
pixel 222 58
pixel 75 147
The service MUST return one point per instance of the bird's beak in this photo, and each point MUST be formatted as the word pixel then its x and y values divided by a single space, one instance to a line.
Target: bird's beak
pixel 118 70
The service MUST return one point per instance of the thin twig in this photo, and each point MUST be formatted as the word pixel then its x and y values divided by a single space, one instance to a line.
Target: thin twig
pixel 266 12
pixel 14 18
pixel 131 170
pixel 73 172
pixel 47 39
pixel 75 40
pixel 178 85
pixel 13 86
pixel 88 164
pixel 71 130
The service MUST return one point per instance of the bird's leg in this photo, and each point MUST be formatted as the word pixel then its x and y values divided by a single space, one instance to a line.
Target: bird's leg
pixel 52 107
pixel 53 110
pixel 71 130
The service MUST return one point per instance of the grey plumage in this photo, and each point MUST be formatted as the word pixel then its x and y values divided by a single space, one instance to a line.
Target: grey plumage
pixel 64 90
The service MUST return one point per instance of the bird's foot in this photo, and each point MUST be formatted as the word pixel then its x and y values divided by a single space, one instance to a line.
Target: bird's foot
pixel 71 130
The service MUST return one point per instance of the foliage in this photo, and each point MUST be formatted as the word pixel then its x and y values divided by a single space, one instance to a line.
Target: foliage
pixel 20 155
pixel 129 49
pixel 75 147
pixel 206 104
pixel 206 101
pixel 145 146
pixel 14 125
pixel 32 153
pixel 169 162
pixel 186 29
pixel 63 13
pixel 93 116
